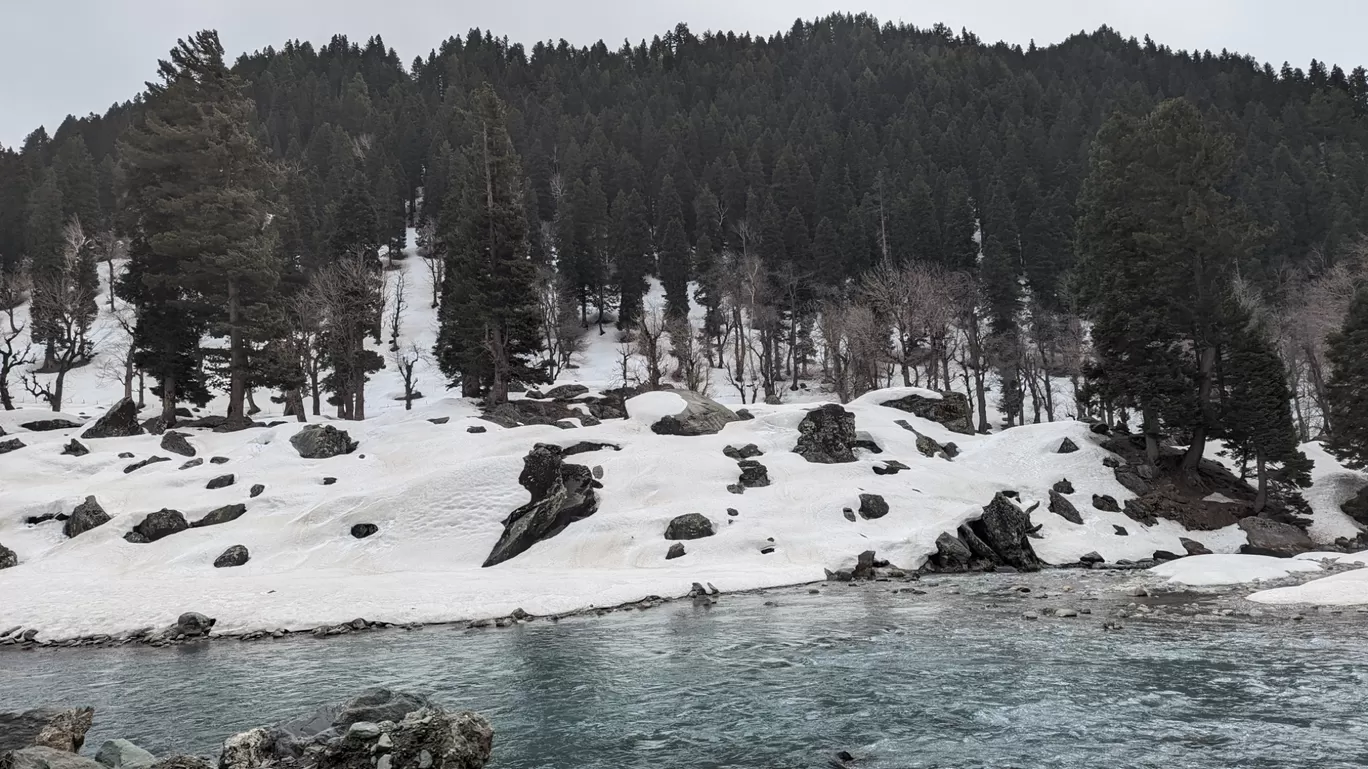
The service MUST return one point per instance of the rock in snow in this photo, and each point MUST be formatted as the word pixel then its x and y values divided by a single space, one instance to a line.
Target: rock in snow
pixel 1061 506
pixel 85 517
pixel 690 526
pixel 221 482
pixel 8 559
pixel 236 555
pixel 561 495
pixel 74 448
pixel 322 442
pixel 1267 537
pixel 177 443
pixel 872 506
pixel 826 435
pixel 225 514
pixel 13 444
pixel 47 425
pixel 162 523
pixel 676 551
pixel 701 416
pixel 363 530
pixel 120 421
pixel 951 410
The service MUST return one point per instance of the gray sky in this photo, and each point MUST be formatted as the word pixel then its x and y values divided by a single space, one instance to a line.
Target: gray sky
pixel 77 56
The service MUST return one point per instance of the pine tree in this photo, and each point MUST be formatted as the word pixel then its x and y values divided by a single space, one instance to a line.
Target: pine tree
pixel 673 249
pixel 1347 389
pixel 959 224
pixel 77 180
pixel 43 243
pixel 631 253
pixel 489 317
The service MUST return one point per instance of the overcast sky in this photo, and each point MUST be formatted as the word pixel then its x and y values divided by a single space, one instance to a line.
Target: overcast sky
pixel 77 56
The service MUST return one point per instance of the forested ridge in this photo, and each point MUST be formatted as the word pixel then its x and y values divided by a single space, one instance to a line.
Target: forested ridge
pixel 1175 234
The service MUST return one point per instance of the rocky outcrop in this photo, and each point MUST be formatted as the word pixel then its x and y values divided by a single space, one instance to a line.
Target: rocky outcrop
pixel 748 451
pixel 872 507
pixel 122 754
pixel 826 435
pixel 48 425
pixel 158 525
pixel 50 728
pixel 177 443
pixel 566 392
pixel 999 537
pixel 225 514
pixel 753 474
pixel 561 494
pixel 1106 503
pixel 322 442
pixel 1357 507
pixel 85 517
pixel 1061 506
pixel 1268 537
pixel 701 416
pixel 236 555
pixel 951 410
pixel 8 558
pixel 75 448
pixel 528 412
pixel 120 421
pixel 221 482
pixel 689 526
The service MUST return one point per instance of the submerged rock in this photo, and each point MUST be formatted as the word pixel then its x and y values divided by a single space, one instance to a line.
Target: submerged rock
pixel 827 435
pixel 322 442
pixel 689 526
pixel 120 421
pixel 561 494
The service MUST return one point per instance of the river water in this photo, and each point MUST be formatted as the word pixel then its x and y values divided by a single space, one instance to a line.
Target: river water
pixel 953 678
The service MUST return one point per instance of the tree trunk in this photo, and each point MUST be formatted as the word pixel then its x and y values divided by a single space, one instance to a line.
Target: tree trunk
pixel 1261 498
pixel 1195 450
pixel 237 358
pixel 1149 427
pixel 168 415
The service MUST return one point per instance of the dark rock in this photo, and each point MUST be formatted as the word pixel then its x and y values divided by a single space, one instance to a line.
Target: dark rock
pixel 440 420
pixel 225 514
pixel 1164 555
pixel 135 538
pixel 753 474
pixel 689 526
pixel 1133 482
pixel 192 463
pixel 48 425
pixel 221 482
pixel 120 421
pixel 864 566
pixel 363 530
pixel 162 523
pixel 748 451
pixel 218 460
pixel 534 394
pixel 999 537
pixel 952 553
pixel 182 411
pixel 328 481
pixel 85 517
pixel 560 495
pixel 767 550
pixel 1357 507
pixel 890 467
pixel 1091 558
pixel 46 758
pixel 1268 537
pixel 744 415
pixel 735 488
pixel 701 416
pixel 208 423
pixel 1067 447
pixel 122 754
pixel 826 435
pixel 1111 462
pixel 566 392
pixel 257 488
pixel 1121 531
pixel 565 424
pixel 865 441
pixel 236 555
pixel 477 429
pixel 524 412
pixel 733 512
pixel 192 624
pixel 676 551
pixel 872 506
pixel 1105 503
pixel 176 443
pixel 1193 547
pixel 1100 428
pixel 1064 487
pixel 49 728
pixel 584 447
pixel 75 448
pixel 13 444
pixel 1061 506
pixel 125 455
pixel 145 463
pixel 951 410
pixel 950 449
pixel 322 442
pixel 8 558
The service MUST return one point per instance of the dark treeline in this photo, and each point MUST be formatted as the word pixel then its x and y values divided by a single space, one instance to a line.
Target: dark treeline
pixel 802 189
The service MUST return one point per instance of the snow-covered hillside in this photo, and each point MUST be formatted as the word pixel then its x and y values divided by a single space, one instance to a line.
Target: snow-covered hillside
pixel 438 495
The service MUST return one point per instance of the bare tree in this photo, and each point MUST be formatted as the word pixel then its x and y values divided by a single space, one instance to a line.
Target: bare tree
pixel 347 299
pixel 854 343
pixel 13 292
pixel 649 340
pixel 430 250
pixel 407 361
pixel 562 333
pixel 398 303
pixel 69 304
pixel 688 347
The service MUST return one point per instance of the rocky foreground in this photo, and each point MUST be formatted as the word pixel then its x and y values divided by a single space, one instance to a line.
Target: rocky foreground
pixel 377 729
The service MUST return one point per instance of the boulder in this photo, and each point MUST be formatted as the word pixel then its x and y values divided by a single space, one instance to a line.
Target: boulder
pixel 1267 537
pixel 890 467
pixel 689 526
pixel 561 494
pixel 1067 447
pixel 565 392
pixel 584 447
pixel 1100 428
pixel 236 555
pixel 999 538
pixel 872 506
pixel 1064 487
pixel 74 448
pixel 1120 531
pixel 328 481
pixel 162 523
pixel 85 517
pixel 224 514
pixel 193 624
pixel 701 416
pixel 864 566
pixel 440 420
pixel 1357 507
pixel 1105 503
pixel 122 754
pixel 1133 481
pixel 1164 555
pixel 477 429
pixel 363 530
pixel 50 728
pixel 190 464
pixel 951 410
pixel 221 482
pixel 676 551
pixel 753 474
pixel 46 758
pixel 1193 547
pixel 120 421
pixel 745 415
pixel 177 443
pixel 145 463
pixel 257 489
pixel 1061 506
pixel 8 558
pixel 748 451
pixel 322 442
pixel 952 553
pixel 826 435
pixel 1091 558
pixel 13 444
pixel 218 460
pixel 48 425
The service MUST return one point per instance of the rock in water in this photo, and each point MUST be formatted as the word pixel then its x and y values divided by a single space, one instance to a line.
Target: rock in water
pixel 1268 537
pixel 561 495
pixel 689 526
pixel 701 416
pixel 120 421
pixel 951 410
pixel 224 514
pixel 62 730
pixel 13 444
pixel 676 551
pixel 826 435
pixel 221 482
pixel 1067 447
pixel 8 558
pixel 193 624
pixel 74 448
pixel 162 523
pixel 872 506
pixel 1061 506
pixel 85 517
pixel 322 442
pixel 236 555
pixel 363 530
pixel 177 443
pixel 122 754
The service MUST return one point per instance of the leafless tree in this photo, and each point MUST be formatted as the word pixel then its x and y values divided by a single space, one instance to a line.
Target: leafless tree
pixel 347 299
pixel 407 361
pixel 68 304
pixel 973 354
pixel 688 348
pixel 398 297
pixel 13 292
pixel 650 347
pixel 854 343
pixel 429 249
pixel 562 333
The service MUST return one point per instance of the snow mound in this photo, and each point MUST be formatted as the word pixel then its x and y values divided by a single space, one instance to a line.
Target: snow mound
pixel 1209 570
pixel 649 408
pixel 1347 589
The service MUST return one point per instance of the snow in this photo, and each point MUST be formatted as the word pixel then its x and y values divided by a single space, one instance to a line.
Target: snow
pixel 1348 588
pixel 1209 570
pixel 648 408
